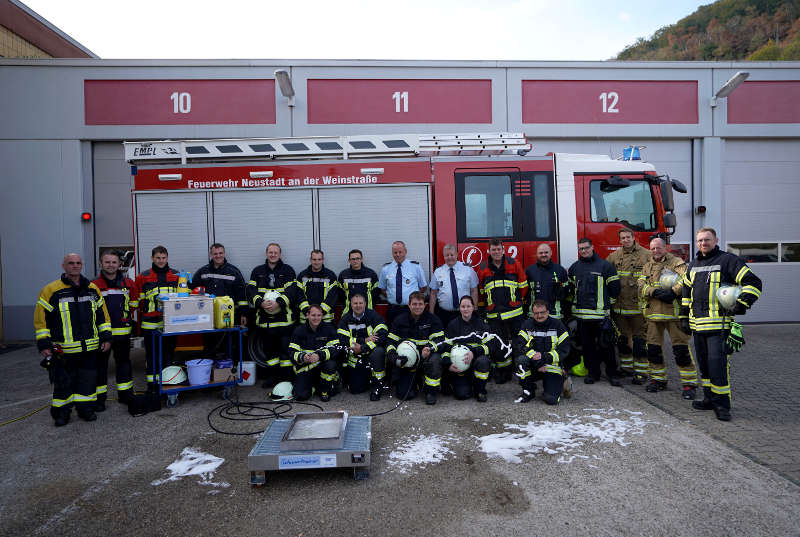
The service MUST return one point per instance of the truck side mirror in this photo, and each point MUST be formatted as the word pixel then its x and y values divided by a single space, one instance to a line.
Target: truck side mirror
pixel 670 220
pixel 666 195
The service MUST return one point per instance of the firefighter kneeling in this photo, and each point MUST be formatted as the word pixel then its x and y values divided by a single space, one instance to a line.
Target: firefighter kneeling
pixel 545 342
pixel 363 333
pixel 313 351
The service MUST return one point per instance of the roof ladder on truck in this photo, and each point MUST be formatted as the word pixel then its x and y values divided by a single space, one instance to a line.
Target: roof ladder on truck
pixel 325 147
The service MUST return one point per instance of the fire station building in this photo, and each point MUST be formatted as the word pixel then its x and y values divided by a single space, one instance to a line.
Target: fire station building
pixel 733 140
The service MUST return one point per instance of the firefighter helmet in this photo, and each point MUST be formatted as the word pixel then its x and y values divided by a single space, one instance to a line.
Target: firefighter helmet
pixel 668 279
pixel 282 391
pixel 458 356
pixel 727 295
pixel 406 349
pixel 273 295
pixel 173 374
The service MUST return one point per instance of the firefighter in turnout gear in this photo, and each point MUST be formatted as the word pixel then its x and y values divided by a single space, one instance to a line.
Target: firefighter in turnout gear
pixel 626 311
pixel 358 279
pixel 71 318
pixel 702 315
pixel 363 332
pixel 273 292
pixel 544 341
pixel 423 329
pixel 661 311
pixel 503 285
pixel 122 298
pixel 468 329
pixel 157 280
pixel 313 349
pixel 547 281
pixel 596 285
pixel 319 285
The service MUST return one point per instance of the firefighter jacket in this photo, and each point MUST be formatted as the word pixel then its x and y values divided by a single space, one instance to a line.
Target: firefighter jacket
pixel 703 278
pixel 654 309
pixel 72 316
pixel 151 283
pixel 629 265
pixel 504 288
pixel 426 331
pixel 549 338
pixel 121 297
pixel 549 283
pixel 596 284
pixel 225 280
pixel 474 333
pixel 352 330
pixel 281 279
pixel 320 288
pixel 363 281
pixel 306 340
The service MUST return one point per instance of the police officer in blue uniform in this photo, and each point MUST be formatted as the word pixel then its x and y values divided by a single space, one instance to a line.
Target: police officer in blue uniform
pixel 399 279
pixel 449 283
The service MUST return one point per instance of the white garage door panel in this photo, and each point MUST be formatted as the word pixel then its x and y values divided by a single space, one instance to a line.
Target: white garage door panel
pixel 778 302
pixel 245 222
pixel 177 221
pixel 370 219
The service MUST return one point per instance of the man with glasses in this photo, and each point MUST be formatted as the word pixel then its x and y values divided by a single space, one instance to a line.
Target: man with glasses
pixel 359 279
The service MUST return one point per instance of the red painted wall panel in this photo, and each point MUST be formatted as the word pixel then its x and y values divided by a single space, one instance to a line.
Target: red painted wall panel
pixel 165 102
pixel 399 101
pixel 769 101
pixel 610 101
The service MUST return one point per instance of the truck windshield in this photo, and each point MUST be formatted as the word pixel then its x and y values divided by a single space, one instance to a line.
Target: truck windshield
pixel 631 205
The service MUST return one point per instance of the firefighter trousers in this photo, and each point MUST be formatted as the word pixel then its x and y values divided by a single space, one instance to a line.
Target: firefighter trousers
pixel 274 366
pixel 366 371
pixel 552 383
pixel 74 382
pixel 431 373
pixel 680 350
pixel 468 383
pixel 593 353
pixel 321 375
pixel 151 348
pixel 507 330
pixel 714 363
pixel 631 343
pixel 121 347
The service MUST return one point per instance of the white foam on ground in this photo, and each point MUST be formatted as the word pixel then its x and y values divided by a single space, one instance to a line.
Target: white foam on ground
pixel 194 462
pixel 564 438
pixel 420 450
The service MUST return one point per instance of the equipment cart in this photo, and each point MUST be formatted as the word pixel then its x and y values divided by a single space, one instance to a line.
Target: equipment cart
pixel 172 393
pixel 313 440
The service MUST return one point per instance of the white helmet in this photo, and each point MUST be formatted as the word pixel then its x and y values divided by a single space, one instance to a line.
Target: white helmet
pixel 408 350
pixel 668 279
pixel 457 356
pixel 282 391
pixel 273 295
pixel 173 374
pixel 727 295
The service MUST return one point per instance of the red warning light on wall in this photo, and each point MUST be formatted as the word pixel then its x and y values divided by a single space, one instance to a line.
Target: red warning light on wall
pixel 86 216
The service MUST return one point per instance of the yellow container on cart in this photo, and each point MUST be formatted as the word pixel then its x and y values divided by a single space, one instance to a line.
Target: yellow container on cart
pixel 223 312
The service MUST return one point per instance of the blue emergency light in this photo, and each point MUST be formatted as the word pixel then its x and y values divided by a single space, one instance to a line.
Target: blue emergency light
pixel 632 153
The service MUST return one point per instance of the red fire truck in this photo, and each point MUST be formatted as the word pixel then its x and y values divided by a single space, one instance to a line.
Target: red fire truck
pixel 340 193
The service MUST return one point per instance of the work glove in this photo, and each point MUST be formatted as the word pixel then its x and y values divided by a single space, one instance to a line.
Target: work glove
pixel 664 295
pixel 685 328
pixel 739 308
pixel 735 338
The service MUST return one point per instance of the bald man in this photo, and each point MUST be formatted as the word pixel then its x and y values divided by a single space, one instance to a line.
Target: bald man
pixel 547 281
pixel 68 343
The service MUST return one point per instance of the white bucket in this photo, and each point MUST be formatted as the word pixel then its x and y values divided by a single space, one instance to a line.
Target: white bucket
pixel 199 371
pixel 248 374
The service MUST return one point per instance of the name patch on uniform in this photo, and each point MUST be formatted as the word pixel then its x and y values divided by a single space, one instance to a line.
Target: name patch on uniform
pixel 709 268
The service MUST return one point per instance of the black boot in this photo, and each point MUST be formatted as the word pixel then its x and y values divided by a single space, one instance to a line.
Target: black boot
pixel 704 404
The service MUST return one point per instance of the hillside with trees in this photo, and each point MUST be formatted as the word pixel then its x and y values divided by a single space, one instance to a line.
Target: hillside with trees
pixel 757 30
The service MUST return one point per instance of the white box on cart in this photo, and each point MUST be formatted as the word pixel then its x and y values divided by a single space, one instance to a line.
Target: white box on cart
pixel 187 313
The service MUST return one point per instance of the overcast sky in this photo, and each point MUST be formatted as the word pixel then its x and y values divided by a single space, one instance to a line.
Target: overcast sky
pixel 354 29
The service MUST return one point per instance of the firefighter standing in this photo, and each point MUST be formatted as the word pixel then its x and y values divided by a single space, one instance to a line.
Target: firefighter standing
pixel 626 311
pixel 595 283
pixel 157 280
pixel 275 319
pixel 320 286
pixel 313 350
pixel 544 342
pixel 122 298
pixel 504 286
pixel 363 332
pixel 72 315
pixel 710 324
pixel 547 281
pixel 661 312
pixel 359 279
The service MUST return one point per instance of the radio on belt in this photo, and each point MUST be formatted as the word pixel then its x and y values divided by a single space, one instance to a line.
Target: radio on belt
pixel 187 313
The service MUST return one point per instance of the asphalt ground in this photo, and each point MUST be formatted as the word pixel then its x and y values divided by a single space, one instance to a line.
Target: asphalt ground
pixel 678 472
